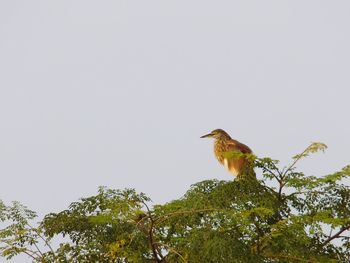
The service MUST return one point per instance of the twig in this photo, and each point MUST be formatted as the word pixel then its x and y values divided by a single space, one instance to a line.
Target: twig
pixel 30 255
pixel 42 238
pixel 295 161
pixel 274 175
pixel 336 235
pixel 155 251
pixel 37 248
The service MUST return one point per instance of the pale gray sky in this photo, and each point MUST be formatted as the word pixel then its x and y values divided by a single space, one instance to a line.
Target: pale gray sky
pixel 117 93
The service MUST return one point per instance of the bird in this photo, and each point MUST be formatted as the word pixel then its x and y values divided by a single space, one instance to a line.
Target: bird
pixel 232 154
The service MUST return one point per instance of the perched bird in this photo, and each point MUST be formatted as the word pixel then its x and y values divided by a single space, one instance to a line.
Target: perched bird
pixel 232 154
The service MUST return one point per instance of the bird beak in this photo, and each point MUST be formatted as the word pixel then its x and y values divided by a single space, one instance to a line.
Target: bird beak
pixel 207 135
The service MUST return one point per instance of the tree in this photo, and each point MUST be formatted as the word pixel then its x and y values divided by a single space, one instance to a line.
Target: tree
pixel 286 217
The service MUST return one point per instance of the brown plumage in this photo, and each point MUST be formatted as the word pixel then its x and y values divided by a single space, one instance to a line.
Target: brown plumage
pixel 229 153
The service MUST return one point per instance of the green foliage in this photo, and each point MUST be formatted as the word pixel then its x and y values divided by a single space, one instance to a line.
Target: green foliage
pixel 286 217
pixel 18 236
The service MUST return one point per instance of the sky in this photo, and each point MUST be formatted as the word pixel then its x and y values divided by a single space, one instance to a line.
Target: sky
pixel 117 93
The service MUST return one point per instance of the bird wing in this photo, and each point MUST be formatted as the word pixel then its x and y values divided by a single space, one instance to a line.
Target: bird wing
pixel 234 145
pixel 236 165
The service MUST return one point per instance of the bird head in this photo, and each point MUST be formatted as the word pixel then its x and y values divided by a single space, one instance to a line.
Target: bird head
pixel 217 134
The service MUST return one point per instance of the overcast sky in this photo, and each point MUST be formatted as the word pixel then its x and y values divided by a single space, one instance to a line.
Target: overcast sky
pixel 117 93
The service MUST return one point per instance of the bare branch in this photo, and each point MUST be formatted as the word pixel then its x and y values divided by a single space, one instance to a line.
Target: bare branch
pixel 154 246
pixel 336 235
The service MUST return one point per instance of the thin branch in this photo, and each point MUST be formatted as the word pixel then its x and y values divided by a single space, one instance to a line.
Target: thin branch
pixel 330 232
pixel 295 161
pixel 28 254
pixel 34 253
pixel 42 238
pixel 155 250
pixel 336 235
pixel 37 248
pixel 274 175
pixel 38 251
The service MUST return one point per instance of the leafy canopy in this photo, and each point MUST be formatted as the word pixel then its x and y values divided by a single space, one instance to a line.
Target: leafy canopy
pixel 285 217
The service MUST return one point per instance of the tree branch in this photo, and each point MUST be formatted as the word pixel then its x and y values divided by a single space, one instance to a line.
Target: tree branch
pixel 336 235
pixel 155 250
pixel 296 160
pixel 42 238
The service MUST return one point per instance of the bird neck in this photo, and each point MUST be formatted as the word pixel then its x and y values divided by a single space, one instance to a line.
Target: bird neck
pixel 220 146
